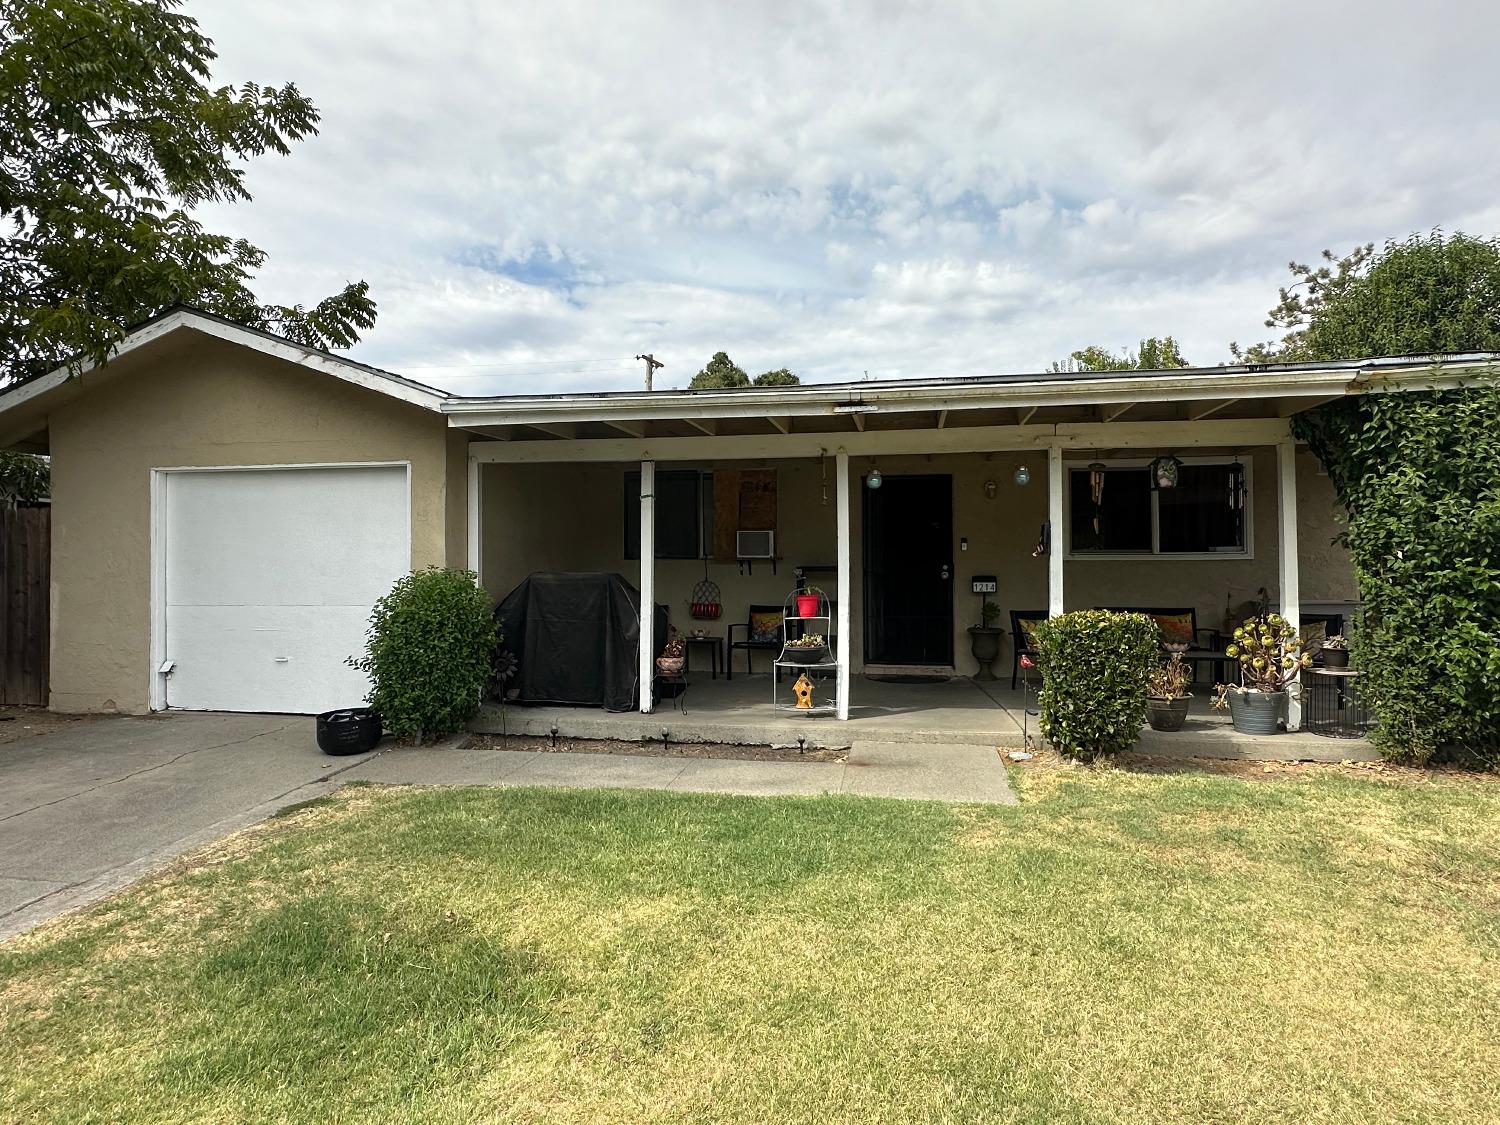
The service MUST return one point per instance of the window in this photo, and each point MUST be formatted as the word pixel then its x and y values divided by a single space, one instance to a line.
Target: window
pixel 1206 514
pixel 684 514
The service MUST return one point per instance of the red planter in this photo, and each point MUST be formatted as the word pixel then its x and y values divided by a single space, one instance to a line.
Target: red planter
pixel 807 605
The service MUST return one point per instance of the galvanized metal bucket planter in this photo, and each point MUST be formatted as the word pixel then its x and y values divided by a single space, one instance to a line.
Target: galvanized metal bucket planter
pixel 1257 712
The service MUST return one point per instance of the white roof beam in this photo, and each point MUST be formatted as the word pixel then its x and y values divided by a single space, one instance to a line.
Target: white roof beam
pixel 1208 409
pixel 565 430
pixel 703 425
pixel 1110 413
pixel 784 424
pixel 634 429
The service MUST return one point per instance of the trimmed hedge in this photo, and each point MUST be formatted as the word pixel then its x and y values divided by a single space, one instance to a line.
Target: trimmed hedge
pixel 1094 666
pixel 428 656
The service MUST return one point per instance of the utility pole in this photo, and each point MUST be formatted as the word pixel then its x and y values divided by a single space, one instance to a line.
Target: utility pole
pixel 651 365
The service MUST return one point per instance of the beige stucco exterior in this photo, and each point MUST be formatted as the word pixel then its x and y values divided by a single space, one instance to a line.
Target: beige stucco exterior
pixel 571 517
pixel 190 400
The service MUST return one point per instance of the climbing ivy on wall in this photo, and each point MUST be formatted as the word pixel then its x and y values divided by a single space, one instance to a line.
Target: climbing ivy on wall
pixel 1419 475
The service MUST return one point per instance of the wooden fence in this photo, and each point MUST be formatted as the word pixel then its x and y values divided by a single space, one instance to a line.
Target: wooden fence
pixel 25 589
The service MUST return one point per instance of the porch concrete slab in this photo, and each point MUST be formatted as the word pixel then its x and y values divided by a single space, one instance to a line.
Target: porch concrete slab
pixel 759 779
pixel 740 712
pixel 952 772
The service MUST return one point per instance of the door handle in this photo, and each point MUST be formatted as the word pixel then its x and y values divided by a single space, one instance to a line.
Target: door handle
pixel 946 568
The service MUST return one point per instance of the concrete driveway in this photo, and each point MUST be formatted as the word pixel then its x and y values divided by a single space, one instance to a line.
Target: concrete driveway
pixel 89 806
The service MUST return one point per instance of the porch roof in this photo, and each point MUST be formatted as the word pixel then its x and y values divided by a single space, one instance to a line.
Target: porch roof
pixel 1190 394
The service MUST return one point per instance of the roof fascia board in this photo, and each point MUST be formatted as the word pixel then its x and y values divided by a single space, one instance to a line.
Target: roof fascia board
pixel 976 439
pixel 818 401
pixel 292 353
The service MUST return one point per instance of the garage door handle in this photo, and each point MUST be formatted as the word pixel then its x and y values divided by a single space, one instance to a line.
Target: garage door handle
pixel 282 659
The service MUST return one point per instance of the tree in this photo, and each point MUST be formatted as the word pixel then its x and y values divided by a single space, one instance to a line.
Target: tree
pixel 781 377
pixel 1429 294
pixel 720 373
pixel 112 136
pixel 1419 477
pixel 1156 354
pixel 24 478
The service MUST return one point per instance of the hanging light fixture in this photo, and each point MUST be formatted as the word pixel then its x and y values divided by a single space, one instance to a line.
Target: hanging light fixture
pixel 874 480
pixel 1164 472
pixel 1023 475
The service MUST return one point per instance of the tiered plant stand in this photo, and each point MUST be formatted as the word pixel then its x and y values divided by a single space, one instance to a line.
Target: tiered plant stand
pixel 823 673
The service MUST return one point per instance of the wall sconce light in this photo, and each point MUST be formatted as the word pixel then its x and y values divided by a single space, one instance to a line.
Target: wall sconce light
pixel 1023 475
pixel 990 488
pixel 874 480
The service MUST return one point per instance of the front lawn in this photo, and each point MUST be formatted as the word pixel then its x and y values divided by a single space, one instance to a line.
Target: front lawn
pixel 1120 947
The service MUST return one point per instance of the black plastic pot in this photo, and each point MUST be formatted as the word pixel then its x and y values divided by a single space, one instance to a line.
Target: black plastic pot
pixel 1166 714
pixel 1335 658
pixel 797 655
pixel 354 730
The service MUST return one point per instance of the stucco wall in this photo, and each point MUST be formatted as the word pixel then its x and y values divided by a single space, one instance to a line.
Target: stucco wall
pixel 200 403
pixel 571 517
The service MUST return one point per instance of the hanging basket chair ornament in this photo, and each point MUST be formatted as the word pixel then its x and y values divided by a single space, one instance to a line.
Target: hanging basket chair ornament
pixel 704 604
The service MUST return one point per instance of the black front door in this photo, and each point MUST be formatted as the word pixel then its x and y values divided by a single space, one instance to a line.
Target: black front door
pixel 908 537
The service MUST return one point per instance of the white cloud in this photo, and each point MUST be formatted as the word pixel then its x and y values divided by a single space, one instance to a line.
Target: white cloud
pixel 898 188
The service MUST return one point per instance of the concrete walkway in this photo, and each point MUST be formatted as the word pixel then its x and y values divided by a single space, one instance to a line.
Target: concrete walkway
pixel 93 805
pixel 874 769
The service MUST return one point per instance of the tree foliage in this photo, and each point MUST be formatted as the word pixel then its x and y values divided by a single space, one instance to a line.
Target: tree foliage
pixel 1419 477
pixel 1157 353
pixel 722 373
pixel 24 478
pixel 111 136
pixel 1427 295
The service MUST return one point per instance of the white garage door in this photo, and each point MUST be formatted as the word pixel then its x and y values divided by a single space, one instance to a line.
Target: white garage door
pixel 268 580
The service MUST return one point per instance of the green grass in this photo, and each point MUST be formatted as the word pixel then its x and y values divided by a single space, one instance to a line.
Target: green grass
pixel 1120 947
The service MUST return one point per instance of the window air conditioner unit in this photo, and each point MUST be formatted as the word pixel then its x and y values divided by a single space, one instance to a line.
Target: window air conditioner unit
pixel 755 544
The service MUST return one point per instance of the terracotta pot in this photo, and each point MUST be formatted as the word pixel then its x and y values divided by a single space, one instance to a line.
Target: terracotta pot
pixel 1257 712
pixel 1166 714
pixel 807 605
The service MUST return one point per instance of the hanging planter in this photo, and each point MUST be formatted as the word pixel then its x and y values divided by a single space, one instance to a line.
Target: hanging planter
pixel 704 604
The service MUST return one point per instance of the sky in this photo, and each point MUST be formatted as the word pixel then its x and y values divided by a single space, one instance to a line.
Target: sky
pixel 537 192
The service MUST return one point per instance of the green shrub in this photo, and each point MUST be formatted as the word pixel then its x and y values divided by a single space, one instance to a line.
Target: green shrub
pixel 1419 476
pixel 1094 666
pixel 428 655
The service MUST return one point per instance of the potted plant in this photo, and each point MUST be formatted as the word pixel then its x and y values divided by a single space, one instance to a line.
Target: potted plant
pixel 1167 696
pixel 809 601
pixel 812 648
pixel 1270 655
pixel 1336 651
pixel 673 655
pixel 984 640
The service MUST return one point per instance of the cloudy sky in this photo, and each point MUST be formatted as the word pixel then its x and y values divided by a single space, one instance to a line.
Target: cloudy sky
pixel 538 191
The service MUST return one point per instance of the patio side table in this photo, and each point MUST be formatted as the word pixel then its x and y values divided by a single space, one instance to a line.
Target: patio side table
pixel 1333 706
pixel 715 652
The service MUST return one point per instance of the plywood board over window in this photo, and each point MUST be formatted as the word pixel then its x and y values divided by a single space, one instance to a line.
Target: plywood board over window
pixel 744 500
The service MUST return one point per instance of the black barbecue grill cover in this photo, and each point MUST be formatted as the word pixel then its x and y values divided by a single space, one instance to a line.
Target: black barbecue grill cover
pixel 575 638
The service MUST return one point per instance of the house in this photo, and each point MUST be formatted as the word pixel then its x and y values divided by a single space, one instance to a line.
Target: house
pixel 227 505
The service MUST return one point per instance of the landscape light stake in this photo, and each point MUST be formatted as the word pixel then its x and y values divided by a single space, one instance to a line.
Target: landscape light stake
pixel 801 745
pixel 665 734
pixel 554 736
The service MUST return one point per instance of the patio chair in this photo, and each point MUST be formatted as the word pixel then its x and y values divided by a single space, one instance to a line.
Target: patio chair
pixel 1022 621
pixel 1180 626
pixel 762 626
pixel 1315 628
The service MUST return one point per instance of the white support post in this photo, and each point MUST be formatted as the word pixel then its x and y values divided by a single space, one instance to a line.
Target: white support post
pixel 647 656
pixel 476 482
pixel 1291 591
pixel 1055 472
pixel 845 582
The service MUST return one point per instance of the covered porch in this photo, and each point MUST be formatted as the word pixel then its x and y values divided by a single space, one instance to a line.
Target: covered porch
pixel 606 483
